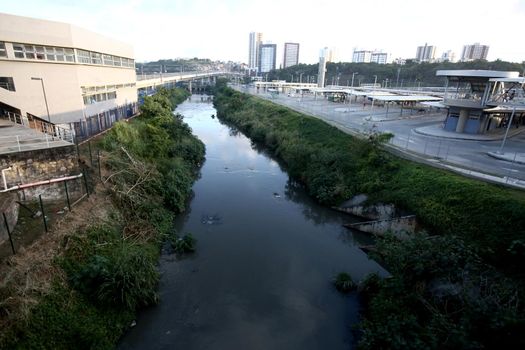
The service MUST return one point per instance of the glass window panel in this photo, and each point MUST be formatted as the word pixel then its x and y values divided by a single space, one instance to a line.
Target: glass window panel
pixel 19 54
pixel 50 50
pixel 50 57
pixel 116 61
pixel 30 55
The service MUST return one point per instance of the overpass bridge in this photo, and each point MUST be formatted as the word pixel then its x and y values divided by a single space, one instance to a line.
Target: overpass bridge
pixel 152 81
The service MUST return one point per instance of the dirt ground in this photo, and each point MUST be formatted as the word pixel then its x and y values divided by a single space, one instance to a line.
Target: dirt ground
pixel 27 276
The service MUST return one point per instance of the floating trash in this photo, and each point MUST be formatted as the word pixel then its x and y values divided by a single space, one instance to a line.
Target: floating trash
pixel 211 219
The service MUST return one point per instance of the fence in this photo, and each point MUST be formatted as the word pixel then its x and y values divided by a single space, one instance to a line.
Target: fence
pixel 445 152
pixel 94 125
pixel 38 215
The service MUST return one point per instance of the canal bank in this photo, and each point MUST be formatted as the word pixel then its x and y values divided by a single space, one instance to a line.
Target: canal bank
pixel 266 255
pixel 479 226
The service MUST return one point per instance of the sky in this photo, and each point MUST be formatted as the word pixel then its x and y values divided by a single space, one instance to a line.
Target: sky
pixel 219 30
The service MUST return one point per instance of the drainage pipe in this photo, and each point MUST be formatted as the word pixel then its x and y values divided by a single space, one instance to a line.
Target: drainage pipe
pixel 39 183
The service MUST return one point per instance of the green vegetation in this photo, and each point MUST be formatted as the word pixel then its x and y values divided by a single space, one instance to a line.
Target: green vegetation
pixel 333 166
pixel 108 271
pixel 183 245
pixel 344 283
pixel 440 296
pixel 411 74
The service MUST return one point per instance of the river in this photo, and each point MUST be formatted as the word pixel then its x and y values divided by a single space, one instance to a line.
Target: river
pixel 265 257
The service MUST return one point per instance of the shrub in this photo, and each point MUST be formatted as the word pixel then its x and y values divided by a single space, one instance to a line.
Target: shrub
pixel 344 283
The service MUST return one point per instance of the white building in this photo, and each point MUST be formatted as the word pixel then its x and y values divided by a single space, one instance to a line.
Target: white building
pixel 474 52
pixel 253 55
pixel 426 53
pixel 267 56
pixel 448 56
pixel 361 56
pixel 379 57
pixel 367 56
pixel 291 54
pixel 328 53
pixel 61 73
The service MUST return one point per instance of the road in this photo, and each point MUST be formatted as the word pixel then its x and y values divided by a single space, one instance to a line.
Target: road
pixel 468 157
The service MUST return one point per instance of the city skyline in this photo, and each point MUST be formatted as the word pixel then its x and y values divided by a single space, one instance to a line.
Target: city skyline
pixel 217 30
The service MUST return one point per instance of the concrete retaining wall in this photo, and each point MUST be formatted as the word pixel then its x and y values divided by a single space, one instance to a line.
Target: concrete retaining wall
pixel 401 227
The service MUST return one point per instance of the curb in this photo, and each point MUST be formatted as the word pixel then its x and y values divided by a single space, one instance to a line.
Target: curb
pixel 508 159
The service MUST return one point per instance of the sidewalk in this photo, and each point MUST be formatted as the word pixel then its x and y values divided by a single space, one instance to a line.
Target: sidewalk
pixel 437 130
pixel 510 157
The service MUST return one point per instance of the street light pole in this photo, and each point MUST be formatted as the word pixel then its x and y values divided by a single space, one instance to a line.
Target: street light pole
pixel 507 131
pixel 375 82
pixel 45 97
pixel 353 75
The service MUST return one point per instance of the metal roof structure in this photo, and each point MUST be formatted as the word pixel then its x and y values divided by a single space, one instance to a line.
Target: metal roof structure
pixel 476 73
pixel 408 98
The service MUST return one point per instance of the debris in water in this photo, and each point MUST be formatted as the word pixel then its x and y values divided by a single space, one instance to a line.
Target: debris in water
pixel 133 323
pixel 211 219
pixel 276 195
pixel 213 116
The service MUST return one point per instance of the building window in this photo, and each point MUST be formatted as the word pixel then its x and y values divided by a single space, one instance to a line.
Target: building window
pixel 7 83
pixel 108 60
pixel 3 51
pixel 83 56
pixel 117 61
pixel 96 58
pixel 19 50
pixel 39 52
pixel 29 51
pixel 69 54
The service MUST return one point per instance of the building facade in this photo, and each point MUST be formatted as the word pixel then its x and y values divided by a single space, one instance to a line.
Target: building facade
pixel 379 57
pixel 267 57
pixel 474 52
pixel 367 56
pixel 448 56
pixel 361 56
pixel 426 53
pixel 253 55
pixel 61 73
pixel 291 54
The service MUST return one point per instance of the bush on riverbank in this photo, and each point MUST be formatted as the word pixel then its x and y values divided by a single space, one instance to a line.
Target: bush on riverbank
pixel 489 219
pixel 335 166
pixel 108 271
pixel 440 296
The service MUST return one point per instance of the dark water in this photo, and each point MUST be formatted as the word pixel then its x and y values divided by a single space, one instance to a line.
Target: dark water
pixel 266 254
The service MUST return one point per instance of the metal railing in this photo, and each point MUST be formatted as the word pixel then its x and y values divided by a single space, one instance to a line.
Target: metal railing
pixel 39 125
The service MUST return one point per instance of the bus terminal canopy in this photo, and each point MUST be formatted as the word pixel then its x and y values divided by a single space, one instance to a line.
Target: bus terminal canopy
pixel 407 98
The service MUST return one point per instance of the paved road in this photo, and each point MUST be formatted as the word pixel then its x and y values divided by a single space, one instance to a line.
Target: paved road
pixel 468 156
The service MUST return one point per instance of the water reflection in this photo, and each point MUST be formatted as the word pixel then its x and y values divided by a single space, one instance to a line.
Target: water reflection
pixel 265 256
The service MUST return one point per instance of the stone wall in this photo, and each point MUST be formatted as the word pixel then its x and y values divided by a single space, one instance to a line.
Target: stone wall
pixel 8 206
pixel 38 165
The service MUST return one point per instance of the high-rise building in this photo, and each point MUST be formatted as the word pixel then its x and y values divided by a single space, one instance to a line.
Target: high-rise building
pixel 291 54
pixel 325 55
pixel 367 56
pixel 448 56
pixel 474 52
pixel 426 53
pixel 361 56
pixel 328 53
pixel 379 57
pixel 253 55
pixel 267 56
